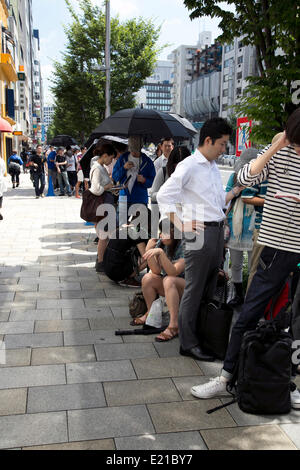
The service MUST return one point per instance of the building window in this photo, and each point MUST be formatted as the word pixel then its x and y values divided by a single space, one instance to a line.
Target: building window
pixel 226 77
pixel 228 48
pixel 227 63
pixel 225 92
pixel 238 92
pixel 240 44
pixel 240 59
pixel 224 107
pixel 239 75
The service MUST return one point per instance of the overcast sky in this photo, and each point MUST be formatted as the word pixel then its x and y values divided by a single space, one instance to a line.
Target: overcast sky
pixel 49 16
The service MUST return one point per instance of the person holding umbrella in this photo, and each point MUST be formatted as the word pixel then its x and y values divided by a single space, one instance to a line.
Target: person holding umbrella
pixel 138 170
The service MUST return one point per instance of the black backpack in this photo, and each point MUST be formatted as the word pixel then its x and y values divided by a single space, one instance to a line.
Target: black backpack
pixel 264 371
pixel 261 383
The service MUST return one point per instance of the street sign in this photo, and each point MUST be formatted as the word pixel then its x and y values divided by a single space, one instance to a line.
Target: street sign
pixel 243 133
pixel 21 77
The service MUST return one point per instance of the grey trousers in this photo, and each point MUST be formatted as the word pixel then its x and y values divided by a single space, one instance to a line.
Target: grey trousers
pixel 199 267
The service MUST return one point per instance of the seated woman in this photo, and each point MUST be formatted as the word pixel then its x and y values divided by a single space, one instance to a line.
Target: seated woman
pixel 165 258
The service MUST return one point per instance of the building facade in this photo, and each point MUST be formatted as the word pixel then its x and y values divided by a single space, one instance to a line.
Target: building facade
pixel 238 63
pixel 38 105
pixel 156 93
pixel 202 94
pixel 48 116
pixel 21 28
pixel 182 68
pixel 8 79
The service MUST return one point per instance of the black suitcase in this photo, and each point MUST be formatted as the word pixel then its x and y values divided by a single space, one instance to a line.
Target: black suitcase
pixel 214 322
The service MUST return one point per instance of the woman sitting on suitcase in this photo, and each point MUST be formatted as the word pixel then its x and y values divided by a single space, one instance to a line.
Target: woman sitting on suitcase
pixel 165 259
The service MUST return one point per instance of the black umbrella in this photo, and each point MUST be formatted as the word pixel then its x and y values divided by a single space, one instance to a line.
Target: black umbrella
pixel 63 141
pixel 149 123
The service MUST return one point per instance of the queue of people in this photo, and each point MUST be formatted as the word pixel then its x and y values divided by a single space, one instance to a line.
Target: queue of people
pixel 189 192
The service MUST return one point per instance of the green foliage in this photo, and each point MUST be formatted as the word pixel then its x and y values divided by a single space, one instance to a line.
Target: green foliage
pixel 79 80
pixel 273 28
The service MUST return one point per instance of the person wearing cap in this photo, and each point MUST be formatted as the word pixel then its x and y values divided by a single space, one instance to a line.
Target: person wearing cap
pixel 241 222
pixel 141 171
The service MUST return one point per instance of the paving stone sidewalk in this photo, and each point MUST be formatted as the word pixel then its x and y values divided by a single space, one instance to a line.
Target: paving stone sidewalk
pixel 68 382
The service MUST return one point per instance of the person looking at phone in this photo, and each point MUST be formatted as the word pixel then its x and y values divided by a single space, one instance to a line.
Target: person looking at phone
pixel 140 169
pixel 280 235
pixel 196 188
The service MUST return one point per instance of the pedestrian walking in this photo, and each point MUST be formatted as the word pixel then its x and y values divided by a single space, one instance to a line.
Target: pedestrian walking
pixel 38 163
pixel 15 164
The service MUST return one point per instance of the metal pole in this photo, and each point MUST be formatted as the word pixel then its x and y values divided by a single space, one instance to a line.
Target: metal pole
pixel 107 60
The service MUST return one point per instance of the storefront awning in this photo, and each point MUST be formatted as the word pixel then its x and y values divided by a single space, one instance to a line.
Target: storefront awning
pixel 5 126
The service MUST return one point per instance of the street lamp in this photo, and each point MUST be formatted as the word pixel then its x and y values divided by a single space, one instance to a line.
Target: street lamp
pixel 107 59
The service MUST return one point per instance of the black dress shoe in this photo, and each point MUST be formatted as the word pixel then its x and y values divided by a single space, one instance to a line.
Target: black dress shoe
pixel 197 353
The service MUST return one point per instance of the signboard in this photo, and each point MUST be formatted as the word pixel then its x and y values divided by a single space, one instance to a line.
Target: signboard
pixel 243 134
pixel 17 133
pixel 21 77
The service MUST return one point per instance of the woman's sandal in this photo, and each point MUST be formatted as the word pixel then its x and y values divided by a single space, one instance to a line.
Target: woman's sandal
pixel 167 335
pixel 137 322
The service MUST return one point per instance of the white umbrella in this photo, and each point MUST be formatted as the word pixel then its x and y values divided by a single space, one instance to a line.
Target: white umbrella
pixel 186 123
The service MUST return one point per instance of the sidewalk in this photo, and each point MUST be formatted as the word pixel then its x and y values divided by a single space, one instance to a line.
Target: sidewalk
pixel 68 381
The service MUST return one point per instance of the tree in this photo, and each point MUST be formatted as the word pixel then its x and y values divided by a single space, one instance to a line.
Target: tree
pixel 79 80
pixel 273 28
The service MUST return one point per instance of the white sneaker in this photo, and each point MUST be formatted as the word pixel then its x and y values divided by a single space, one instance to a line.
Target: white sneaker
pixel 214 388
pixel 295 399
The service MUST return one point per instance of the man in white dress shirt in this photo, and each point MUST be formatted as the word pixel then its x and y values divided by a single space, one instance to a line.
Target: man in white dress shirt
pixel 195 189
pixel 167 145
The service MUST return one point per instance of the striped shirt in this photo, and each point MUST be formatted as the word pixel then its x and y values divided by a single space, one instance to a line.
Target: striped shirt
pixel 280 226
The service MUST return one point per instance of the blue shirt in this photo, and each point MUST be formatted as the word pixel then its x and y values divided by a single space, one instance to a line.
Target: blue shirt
pixel 139 193
pixel 15 159
pixel 51 160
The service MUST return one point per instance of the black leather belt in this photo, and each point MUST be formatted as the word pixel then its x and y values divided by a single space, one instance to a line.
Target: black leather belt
pixel 214 224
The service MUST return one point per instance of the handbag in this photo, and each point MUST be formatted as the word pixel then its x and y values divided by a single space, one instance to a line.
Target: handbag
pixel 215 318
pixel 90 204
pixel 137 306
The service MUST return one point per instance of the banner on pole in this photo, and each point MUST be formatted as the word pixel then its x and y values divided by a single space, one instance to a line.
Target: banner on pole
pixel 243 134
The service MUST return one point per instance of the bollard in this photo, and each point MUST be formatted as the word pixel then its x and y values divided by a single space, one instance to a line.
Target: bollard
pixel 50 188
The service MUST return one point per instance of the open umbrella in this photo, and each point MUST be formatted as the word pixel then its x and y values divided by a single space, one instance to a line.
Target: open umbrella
pixel 151 124
pixel 186 123
pixel 63 141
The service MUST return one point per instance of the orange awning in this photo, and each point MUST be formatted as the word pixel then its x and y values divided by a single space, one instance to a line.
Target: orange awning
pixel 5 126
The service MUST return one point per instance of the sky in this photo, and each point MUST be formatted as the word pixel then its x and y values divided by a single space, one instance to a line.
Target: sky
pixel 50 16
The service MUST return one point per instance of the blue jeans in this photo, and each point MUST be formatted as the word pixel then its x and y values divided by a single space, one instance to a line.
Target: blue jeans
pixel 63 179
pixel 39 183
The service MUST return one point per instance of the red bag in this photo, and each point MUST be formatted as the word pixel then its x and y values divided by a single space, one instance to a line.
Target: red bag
pixel 280 303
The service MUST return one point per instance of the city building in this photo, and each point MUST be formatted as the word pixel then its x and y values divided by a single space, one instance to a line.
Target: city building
pixel 156 92
pixel 38 106
pixel 238 63
pixel 182 68
pixel 48 116
pixel 20 22
pixel 202 94
pixel 8 79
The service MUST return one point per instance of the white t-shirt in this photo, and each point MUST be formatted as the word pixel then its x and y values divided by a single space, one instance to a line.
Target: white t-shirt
pixel 71 161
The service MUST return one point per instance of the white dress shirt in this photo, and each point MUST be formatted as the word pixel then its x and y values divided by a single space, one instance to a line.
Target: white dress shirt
pixel 194 191
pixel 161 162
